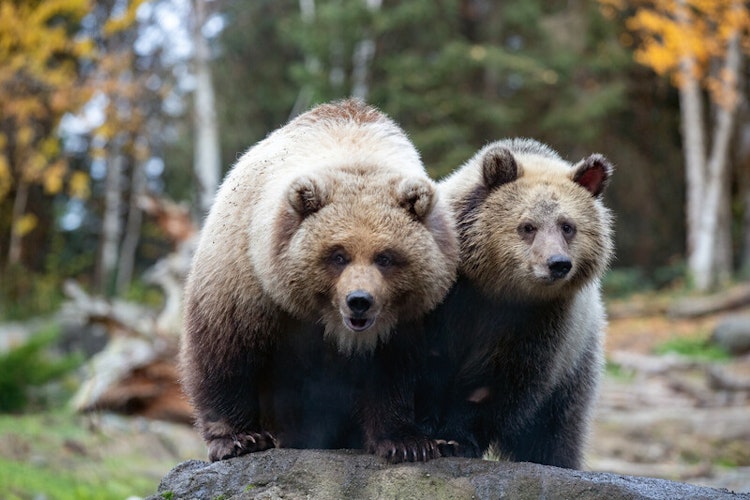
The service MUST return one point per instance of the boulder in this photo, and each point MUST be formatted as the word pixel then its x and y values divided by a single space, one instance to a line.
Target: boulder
pixel 733 334
pixel 332 474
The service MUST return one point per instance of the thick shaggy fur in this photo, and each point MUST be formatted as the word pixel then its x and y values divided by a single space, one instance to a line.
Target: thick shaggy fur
pixel 324 248
pixel 515 351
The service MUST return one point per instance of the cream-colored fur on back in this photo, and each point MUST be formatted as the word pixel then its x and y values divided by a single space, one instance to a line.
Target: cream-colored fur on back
pixel 257 185
pixel 351 153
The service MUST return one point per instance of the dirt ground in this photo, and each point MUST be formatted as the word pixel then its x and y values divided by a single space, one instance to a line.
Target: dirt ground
pixel 668 415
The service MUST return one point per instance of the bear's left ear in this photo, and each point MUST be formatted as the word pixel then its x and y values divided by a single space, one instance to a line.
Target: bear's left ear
pixel 307 196
pixel 593 174
pixel 498 167
pixel 416 196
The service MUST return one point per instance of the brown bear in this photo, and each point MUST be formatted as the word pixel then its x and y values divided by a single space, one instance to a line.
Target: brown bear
pixel 325 247
pixel 515 350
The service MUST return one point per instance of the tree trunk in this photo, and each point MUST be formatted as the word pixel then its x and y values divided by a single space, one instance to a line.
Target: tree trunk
pixel 362 58
pixel 709 245
pixel 691 116
pixel 16 237
pixel 710 260
pixel 207 157
pixel 743 174
pixel 304 98
pixel 132 228
pixel 111 226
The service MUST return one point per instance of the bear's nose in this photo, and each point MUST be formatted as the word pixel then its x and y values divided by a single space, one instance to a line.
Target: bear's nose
pixel 359 301
pixel 559 266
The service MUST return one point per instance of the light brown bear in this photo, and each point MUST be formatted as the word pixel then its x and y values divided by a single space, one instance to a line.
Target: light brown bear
pixel 515 350
pixel 325 246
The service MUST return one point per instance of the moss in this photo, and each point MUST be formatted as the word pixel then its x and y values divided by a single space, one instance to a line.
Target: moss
pixel 31 366
pixel 696 347
pixel 57 455
pixel 618 372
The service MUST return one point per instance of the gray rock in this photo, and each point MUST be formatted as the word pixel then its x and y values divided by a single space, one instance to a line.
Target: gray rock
pixel 733 334
pixel 298 474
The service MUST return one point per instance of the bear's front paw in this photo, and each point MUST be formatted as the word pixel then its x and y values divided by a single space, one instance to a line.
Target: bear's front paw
pixel 409 449
pixel 452 448
pixel 224 447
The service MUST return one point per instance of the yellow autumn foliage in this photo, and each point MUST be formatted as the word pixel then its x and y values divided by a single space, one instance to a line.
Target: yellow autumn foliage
pixel 25 224
pixel 39 83
pixel 5 176
pixel 125 20
pixel 53 177
pixel 79 185
pixel 687 35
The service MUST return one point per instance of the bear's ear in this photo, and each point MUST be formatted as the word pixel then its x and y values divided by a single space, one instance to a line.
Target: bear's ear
pixel 307 196
pixel 593 174
pixel 416 196
pixel 498 167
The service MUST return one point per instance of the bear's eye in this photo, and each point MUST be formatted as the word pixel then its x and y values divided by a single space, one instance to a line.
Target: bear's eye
pixel 383 260
pixel 389 260
pixel 567 229
pixel 526 228
pixel 338 258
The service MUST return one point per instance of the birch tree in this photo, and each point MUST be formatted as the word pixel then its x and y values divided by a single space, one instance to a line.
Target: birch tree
pixel 700 46
pixel 130 87
pixel 364 52
pixel 312 63
pixel 207 157
pixel 122 90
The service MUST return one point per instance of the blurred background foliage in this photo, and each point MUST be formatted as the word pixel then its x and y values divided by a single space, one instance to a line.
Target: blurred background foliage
pixel 96 100
pixel 107 104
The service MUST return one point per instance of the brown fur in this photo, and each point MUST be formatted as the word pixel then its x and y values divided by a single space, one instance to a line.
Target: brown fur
pixel 329 211
pixel 517 344
pixel 544 193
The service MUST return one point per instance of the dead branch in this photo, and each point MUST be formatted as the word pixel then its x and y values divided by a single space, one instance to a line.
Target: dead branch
pixel 693 307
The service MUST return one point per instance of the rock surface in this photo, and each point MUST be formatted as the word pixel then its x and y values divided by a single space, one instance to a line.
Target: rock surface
pixel 733 334
pixel 297 474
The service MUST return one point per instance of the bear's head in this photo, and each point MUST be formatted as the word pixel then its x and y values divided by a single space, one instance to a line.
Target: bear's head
pixel 534 226
pixel 362 250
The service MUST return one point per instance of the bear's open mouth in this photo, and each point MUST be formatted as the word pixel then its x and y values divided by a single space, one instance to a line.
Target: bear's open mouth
pixel 359 324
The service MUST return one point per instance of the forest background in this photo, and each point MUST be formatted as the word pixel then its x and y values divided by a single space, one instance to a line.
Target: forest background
pixel 118 118
pixel 104 102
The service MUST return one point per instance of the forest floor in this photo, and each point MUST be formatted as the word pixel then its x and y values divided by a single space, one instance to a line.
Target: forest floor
pixel 659 415
pixel 681 416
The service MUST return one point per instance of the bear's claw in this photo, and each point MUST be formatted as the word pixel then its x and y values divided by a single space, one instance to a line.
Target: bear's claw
pixel 235 445
pixel 414 449
pixel 451 448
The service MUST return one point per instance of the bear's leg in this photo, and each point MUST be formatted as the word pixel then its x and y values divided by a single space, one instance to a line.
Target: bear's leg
pixel 390 431
pixel 386 405
pixel 557 434
pixel 463 432
pixel 224 370
pixel 228 410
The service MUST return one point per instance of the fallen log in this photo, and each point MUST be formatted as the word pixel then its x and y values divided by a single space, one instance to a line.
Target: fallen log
pixel 726 300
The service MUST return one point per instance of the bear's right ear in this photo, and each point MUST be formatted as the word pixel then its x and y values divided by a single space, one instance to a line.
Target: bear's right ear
pixel 307 196
pixel 593 174
pixel 417 196
pixel 498 167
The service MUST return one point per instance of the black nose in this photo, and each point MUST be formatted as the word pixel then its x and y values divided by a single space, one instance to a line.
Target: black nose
pixel 559 266
pixel 359 301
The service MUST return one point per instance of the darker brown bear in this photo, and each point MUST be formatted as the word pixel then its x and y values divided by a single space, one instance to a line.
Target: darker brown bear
pixel 515 351
pixel 325 247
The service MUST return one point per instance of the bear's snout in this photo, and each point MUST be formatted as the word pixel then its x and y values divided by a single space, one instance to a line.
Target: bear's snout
pixel 359 302
pixel 559 266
